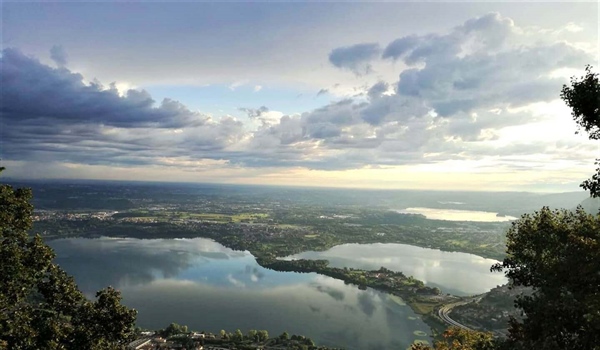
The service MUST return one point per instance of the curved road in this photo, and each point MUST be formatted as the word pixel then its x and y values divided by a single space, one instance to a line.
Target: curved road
pixel 445 310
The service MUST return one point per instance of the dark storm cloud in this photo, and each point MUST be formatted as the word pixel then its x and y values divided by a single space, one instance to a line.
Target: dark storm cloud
pixel 53 114
pixel 355 58
pixel 36 91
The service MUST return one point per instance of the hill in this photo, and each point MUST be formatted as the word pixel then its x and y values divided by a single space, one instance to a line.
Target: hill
pixel 591 205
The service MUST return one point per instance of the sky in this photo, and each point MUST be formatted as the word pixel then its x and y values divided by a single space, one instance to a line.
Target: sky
pixel 413 95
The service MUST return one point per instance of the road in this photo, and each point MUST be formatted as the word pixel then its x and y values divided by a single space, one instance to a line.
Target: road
pixel 444 312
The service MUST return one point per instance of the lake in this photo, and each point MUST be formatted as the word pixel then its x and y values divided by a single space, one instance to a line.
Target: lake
pixel 206 286
pixel 457 214
pixel 453 272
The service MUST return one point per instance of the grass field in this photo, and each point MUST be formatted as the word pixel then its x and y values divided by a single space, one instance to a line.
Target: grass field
pixel 218 217
pixel 423 307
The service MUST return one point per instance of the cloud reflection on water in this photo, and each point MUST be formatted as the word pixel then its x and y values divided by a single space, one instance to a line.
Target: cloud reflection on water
pixel 453 272
pixel 207 286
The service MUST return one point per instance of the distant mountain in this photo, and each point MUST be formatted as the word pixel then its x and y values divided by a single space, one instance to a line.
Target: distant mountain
pixel 591 205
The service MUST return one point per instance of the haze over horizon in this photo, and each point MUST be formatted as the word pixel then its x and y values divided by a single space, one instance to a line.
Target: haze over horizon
pixel 441 96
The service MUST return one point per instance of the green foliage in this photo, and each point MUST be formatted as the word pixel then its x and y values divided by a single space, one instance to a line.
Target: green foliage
pixel 593 184
pixel 173 329
pixel 583 97
pixel 40 305
pixel 238 335
pixel 263 335
pixel 558 254
pixel 252 334
pixel 459 339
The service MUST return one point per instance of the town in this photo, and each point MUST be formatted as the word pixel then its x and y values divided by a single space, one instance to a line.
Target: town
pixel 176 337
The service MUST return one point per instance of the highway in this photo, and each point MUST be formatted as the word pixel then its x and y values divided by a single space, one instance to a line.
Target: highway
pixel 444 312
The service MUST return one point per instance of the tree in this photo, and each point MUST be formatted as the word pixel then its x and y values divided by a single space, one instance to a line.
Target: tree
pixel 263 335
pixel 558 254
pixel 40 305
pixel 173 329
pixel 238 335
pixel 459 339
pixel 583 97
pixel 252 334
pixel 284 336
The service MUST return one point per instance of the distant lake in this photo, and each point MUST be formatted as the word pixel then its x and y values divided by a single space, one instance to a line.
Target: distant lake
pixel 452 272
pixel 457 215
pixel 206 286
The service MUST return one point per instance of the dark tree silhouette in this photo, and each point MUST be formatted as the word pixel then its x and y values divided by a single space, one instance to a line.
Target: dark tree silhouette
pixel 583 97
pixel 40 305
pixel 558 254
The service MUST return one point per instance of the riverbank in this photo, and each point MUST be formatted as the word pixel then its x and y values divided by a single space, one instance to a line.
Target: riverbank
pixel 423 300
pixel 267 243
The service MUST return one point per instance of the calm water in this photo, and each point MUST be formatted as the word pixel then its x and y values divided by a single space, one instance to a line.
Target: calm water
pixel 457 215
pixel 453 272
pixel 206 286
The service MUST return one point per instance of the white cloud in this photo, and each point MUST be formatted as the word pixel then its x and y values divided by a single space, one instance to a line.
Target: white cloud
pixel 483 92
pixel 235 282
pixel 573 28
pixel 237 84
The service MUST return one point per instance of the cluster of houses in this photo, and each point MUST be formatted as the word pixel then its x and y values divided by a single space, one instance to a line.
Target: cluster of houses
pixel 493 311
pixel 150 341
pixel 193 341
pixel 40 215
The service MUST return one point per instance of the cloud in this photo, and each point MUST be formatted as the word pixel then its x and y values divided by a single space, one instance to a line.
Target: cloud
pixel 263 115
pixel 257 88
pixel 237 84
pixel 400 47
pixel 378 90
pixel 456 94
pixel 235 282
pixel 53 114
pixel 482 34
pixel 255 112
pixel 58 55
pixel 481 64
pixel 366 304
pixel 355 58
pixel 62 95
pixel 136 265
pixel 336 294
pixel 573 27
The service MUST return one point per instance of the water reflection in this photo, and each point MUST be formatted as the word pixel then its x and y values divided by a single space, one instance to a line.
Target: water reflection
pixel 209 287
pixel 313 308
pixel 452 272
pixel 457 215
